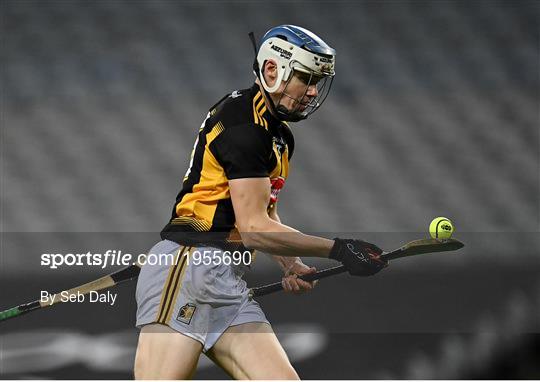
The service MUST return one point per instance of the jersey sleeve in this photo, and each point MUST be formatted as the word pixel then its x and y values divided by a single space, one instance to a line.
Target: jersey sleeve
pixel 243 151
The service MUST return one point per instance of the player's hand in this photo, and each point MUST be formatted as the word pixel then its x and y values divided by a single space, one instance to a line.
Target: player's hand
pixel 291 282
pixel 359 257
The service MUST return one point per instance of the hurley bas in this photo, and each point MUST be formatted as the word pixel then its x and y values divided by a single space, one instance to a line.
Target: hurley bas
pixel 66 296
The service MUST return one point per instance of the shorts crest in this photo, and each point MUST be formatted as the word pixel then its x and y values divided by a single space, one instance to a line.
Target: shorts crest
pixel 186 313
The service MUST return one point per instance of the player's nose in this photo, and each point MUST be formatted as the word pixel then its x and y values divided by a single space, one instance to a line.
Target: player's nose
pixel 312 91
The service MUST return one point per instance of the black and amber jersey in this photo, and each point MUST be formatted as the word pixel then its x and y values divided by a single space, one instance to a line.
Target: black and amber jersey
pixel 238 139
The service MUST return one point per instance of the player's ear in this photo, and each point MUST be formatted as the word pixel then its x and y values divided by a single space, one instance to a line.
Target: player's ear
pixel 270 72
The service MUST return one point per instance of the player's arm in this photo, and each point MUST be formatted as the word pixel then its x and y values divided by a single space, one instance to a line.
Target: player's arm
pixel 284 262
pixel 292 267
pixel 250 201
pixel 243 152
pixel 272 213
pixel 258 231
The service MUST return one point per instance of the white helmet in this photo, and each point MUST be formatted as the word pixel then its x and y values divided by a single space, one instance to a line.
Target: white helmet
pixel 296 49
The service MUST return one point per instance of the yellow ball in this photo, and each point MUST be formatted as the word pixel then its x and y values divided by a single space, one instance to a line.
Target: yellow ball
pixel 441 228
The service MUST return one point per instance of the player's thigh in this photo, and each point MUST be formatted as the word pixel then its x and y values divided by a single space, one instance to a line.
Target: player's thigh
pixel 252 351
pixel 163 353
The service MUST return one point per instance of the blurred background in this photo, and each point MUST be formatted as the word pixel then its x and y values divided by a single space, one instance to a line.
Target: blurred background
pixel 434 111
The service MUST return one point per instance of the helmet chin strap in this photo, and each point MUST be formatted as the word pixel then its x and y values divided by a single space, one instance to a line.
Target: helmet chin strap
pixel 280 111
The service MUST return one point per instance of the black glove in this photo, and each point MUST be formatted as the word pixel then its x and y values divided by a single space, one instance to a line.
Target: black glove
pixel 360 258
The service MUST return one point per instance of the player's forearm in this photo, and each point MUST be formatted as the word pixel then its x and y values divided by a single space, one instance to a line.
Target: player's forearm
pixel 272 237
pixel 284 262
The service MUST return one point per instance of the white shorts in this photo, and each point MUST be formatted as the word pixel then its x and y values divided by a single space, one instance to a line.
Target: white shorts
pixel 197 300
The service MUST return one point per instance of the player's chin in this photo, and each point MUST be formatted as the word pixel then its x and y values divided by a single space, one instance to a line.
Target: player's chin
pixel 301 107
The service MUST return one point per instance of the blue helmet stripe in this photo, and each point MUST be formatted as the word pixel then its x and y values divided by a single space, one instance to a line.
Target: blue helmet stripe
pixel 300 37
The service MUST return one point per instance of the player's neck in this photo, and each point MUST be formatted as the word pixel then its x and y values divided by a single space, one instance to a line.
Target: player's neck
pixel 269 104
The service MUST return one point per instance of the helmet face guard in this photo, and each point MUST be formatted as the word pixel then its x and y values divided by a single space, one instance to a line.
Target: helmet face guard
pixel 303 106
pixel 300 56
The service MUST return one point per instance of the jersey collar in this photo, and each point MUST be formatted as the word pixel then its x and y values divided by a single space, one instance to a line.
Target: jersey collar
pixel 273 122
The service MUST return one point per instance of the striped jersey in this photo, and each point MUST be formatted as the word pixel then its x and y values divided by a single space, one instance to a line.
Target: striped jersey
pixel 239 138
